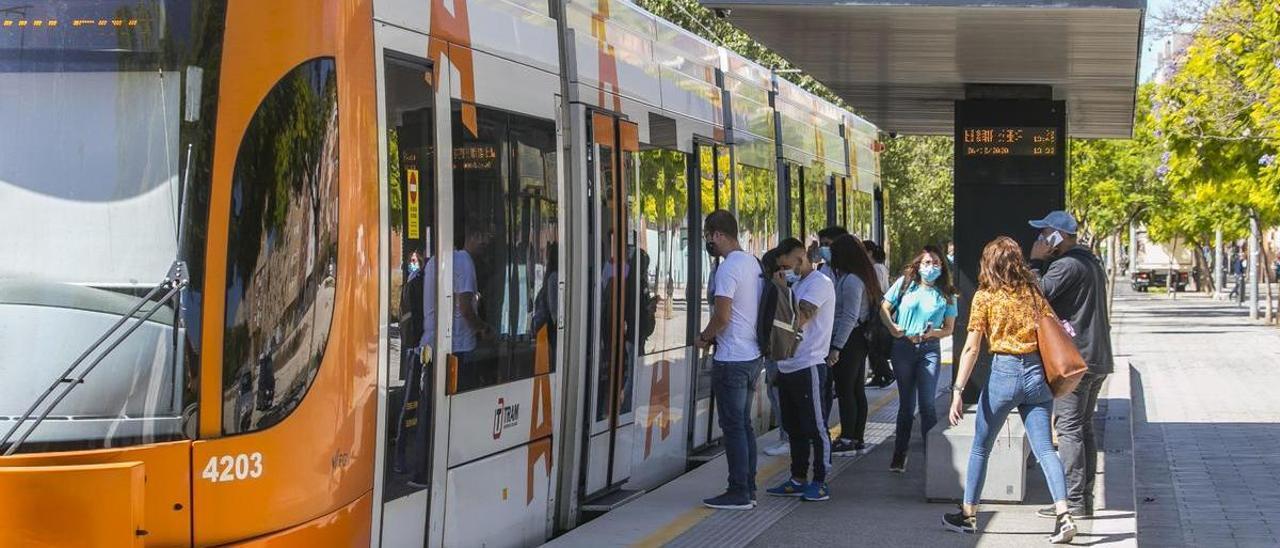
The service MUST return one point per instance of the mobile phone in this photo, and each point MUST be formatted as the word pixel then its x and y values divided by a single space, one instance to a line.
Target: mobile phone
pixel 1054 238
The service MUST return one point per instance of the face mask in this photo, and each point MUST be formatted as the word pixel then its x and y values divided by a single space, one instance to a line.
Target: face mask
pixel 930 273
pixel 711 248
pixel 413 267
pixel 791 276
pixel 951 258
pixel 825 253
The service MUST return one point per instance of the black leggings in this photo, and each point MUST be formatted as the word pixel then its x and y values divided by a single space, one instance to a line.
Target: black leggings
pixel 849 384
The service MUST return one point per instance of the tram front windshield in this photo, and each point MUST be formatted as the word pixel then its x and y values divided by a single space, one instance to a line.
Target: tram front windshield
pixel 94 96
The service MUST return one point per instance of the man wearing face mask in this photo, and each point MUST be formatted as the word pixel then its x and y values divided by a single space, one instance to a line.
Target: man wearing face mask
pixel 732 328
pixel 1074 283
pixel 825 237
pixel 803 389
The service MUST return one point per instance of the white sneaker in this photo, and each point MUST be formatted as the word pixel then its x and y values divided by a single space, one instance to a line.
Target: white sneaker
pixel 781 448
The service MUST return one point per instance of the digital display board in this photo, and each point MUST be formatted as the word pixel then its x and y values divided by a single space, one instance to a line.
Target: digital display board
pixel 1009 141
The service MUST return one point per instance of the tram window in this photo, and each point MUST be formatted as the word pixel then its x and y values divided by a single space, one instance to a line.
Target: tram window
pixel 757 209
pixel 661 305
pixel 505 240
pixel 282 249
pixel 796 184
pixel 815 203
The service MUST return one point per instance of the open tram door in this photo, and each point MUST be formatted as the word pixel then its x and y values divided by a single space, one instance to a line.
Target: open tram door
pixel 410 406
pixel 710 169
pixel 612 145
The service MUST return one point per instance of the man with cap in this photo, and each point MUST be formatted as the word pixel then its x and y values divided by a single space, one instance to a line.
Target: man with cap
pixel 1075 284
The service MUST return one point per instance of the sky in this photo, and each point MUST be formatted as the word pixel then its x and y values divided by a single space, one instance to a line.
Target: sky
pixel 1151 46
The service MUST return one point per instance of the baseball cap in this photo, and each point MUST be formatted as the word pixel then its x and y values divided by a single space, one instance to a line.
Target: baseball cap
pixel 1058 220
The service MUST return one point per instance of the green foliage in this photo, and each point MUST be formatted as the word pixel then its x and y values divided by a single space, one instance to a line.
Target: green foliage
pixel 1220 120
pixel 1113 182
pixel 917 175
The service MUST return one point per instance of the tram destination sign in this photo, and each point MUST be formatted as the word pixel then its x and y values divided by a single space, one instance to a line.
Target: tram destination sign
pixel 1009 141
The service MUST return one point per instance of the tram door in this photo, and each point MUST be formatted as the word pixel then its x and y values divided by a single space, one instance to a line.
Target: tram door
pixel 613 144
pixel 409 194
pixel 710 166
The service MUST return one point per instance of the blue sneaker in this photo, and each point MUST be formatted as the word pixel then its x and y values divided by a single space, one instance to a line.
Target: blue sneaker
pixel 815 491
pixel 789 488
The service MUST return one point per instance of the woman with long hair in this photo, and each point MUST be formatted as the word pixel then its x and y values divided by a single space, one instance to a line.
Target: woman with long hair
pixel 1005 311
pixel 856 290
pixel 919 310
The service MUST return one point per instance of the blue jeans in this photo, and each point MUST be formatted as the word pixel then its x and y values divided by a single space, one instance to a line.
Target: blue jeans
pixel 1016 381
pixel 734 386
pixel 916 367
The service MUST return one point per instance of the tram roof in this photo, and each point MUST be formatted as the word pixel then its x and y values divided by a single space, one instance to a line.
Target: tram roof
pixel 902 63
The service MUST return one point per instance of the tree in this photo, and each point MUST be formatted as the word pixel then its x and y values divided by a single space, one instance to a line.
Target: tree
pixel 917 173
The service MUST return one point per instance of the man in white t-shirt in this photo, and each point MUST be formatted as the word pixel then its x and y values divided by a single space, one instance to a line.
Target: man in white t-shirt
pixel 468 328
pixel 802 378
pixel 732 328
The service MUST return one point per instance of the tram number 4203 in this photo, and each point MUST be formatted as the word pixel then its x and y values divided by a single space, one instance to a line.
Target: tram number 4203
pixel 233 467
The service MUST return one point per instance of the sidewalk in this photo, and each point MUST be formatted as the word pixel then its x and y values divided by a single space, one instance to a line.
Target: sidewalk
pixel 870 506
pixel 1206 421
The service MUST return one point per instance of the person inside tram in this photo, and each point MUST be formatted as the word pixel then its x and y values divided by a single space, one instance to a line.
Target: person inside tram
pixel 547 302
pixel 468 327
pixel 825 237
pixel 881 342
pixel 802 378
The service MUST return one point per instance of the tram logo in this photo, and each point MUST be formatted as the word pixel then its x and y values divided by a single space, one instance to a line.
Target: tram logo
pixel 505 416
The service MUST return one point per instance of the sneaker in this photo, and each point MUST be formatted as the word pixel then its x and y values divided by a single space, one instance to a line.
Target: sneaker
pixel 816 491
pixel 842 447
pixel 789 488
pixel 960 523
pixel 1064 529
pixel 729 501
pixel 1076 512
pixel 780 449
pixel 899 463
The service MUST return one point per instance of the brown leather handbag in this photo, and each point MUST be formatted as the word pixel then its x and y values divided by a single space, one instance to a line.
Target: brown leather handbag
pixel 1063 365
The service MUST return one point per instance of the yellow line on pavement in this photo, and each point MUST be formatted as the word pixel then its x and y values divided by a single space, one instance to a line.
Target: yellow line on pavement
pixel 687 520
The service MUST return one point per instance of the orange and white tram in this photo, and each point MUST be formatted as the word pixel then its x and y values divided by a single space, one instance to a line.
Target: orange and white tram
pixel 227 227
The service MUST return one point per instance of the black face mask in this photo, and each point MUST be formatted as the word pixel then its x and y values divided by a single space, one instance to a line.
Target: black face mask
pixel 711 248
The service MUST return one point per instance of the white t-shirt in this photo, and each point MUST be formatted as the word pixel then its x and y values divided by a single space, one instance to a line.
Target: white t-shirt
pixel 816 289
pixel 738 278
pixel 464 281
pixel 882 275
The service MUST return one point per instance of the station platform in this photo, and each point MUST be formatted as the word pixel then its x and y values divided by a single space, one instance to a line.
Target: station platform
pixel 869 505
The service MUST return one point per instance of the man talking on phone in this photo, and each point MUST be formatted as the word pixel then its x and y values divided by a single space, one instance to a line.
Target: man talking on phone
pixel 1075 285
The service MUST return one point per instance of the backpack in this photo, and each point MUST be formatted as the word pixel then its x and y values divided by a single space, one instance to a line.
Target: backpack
pixel 776 332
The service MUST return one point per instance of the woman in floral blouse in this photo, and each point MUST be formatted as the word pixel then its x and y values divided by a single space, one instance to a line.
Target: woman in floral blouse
pixel 1004 313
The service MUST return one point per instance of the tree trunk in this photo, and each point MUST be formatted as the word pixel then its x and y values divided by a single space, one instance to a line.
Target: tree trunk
pixel 1268 277
pixel 1218 272
pixel 1254 253
pixel 1111 276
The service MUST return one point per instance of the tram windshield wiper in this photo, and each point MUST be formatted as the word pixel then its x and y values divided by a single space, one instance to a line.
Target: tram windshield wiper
pixel 173 285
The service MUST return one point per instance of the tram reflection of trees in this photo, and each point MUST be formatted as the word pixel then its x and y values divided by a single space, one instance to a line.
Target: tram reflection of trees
pixel 282 249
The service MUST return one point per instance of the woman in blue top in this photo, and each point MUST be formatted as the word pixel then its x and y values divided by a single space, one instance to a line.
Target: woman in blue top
pixel 919 309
